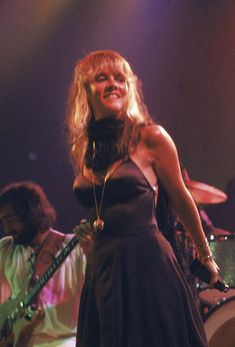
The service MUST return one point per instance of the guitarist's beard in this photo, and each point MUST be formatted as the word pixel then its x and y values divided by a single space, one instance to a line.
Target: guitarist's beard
pixel 24 236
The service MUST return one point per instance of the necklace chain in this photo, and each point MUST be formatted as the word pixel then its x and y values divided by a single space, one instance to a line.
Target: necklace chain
pixel 98 224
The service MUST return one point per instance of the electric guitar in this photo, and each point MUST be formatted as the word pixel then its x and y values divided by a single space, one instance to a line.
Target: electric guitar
pixel 13 311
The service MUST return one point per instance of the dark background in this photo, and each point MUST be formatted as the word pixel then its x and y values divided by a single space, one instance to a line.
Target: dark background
pixel 184 53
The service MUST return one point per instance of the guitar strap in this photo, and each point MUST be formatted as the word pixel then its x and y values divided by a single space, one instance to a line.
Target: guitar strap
pixel 45 255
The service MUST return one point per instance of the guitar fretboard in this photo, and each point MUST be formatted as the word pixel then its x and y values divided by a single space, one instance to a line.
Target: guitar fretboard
pixel 58 260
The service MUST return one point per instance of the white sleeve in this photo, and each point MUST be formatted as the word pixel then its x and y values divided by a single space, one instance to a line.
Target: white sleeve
pixel 5 291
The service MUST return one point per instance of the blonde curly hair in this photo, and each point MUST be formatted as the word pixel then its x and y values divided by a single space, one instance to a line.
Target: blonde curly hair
pixel 78 108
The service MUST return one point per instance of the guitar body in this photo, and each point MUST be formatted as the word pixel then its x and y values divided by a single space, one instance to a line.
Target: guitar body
pixel 6 308
pixel 8 342
pixel 26 327
pixel 20 333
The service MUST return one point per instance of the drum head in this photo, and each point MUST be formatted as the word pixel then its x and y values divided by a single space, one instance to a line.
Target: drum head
pixel 220 325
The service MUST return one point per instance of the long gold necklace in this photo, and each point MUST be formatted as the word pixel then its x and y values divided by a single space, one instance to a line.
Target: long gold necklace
pixel 98 224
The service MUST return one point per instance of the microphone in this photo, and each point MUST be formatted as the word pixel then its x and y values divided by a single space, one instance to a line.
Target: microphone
pixel 200 271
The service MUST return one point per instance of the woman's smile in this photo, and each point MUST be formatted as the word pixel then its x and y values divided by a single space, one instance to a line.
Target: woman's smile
pixel 108 93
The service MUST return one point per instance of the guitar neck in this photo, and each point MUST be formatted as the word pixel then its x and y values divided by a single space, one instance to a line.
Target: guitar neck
pixel 58 260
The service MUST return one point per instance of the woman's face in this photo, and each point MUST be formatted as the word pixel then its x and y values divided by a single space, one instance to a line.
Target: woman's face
pixel 108 93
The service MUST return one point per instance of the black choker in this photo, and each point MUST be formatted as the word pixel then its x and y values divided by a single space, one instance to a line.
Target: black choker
pixel 103 138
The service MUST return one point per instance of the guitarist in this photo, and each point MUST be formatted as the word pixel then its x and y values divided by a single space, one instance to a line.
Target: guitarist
pixel 27 218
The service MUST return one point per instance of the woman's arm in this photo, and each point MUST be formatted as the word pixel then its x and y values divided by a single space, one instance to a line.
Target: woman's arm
pixel 165 163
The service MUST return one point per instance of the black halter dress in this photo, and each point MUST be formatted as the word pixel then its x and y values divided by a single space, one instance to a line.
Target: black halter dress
pixel 135 294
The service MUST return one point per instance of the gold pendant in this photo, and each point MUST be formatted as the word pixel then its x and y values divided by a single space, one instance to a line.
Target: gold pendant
pixel 98 225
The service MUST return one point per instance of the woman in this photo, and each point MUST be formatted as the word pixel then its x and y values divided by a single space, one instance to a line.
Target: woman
pixel 134 293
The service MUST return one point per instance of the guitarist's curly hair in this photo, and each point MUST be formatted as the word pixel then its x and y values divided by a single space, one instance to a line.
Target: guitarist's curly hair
pixel 30 204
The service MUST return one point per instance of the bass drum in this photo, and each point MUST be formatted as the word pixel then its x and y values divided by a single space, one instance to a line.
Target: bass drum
pixel 220 324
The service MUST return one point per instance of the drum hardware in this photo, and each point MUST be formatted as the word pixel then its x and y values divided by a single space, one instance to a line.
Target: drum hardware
pixel 205 220
pixel 210 230
pixel 219 232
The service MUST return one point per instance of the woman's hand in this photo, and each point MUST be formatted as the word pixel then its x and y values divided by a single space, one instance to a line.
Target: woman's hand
pixel 84 232
pixel 212 267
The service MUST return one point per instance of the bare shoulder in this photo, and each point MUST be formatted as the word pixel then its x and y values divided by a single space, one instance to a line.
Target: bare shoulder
pixel 163 154
pixel 156 137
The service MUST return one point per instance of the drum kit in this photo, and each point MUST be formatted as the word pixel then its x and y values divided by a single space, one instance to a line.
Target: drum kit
pixel 217 308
